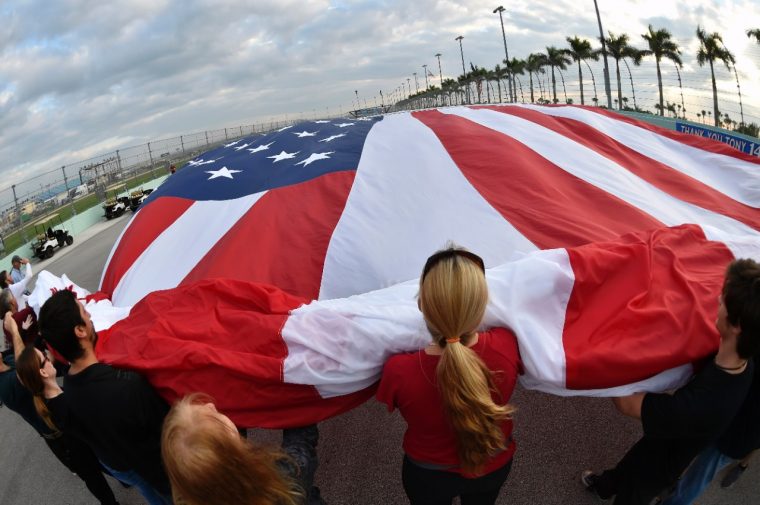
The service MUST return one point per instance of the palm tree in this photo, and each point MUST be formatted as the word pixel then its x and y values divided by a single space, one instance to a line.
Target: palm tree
pixel 478 75
pixel 661 46
pixel 500 73
pixel 516 67
pixel 754 33
pixel 711 49
pixel 534 64
pixel 618 48
pixel 449 86
pixel 580 50
pixel 556 58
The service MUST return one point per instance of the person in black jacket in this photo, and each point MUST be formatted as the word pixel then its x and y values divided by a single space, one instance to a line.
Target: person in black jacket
pixel 680 426
pixel 116 412
pixel 741 438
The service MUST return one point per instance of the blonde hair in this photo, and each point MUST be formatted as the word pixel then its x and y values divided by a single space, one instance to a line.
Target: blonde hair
pixel 28 368
pixel 209 465
pixel 453 298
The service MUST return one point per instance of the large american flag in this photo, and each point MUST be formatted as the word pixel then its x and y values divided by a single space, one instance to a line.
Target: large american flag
pixel 325 210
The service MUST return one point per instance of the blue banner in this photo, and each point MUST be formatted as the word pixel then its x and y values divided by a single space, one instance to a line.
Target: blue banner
pixel 739 143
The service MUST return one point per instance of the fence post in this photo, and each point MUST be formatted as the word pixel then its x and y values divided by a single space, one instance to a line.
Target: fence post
pixel 66 182
pixel 18 211
pixel 152 167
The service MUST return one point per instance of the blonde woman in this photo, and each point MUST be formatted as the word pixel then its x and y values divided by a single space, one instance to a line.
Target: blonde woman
pixel 453 394
pixel 209 463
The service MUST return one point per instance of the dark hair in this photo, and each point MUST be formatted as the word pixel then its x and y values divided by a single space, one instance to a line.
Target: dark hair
pixel 28 368
pixel 3 279
pixel 741 296
pixel 58 318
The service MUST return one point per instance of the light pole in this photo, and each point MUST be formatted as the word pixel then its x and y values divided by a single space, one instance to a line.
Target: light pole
pixel 381 99
pixel 424 69
pixel 409 85
pixel 464 72
pixel 604 53
pixel 416 86
pixel 358 105
pixel 501 9
pixel 440 73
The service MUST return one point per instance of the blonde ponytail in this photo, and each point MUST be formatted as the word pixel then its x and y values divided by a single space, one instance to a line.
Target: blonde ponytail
pixel 453 298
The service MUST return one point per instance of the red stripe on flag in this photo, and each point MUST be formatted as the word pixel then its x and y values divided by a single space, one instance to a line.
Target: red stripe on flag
pixel 660 175
pixel 645 303
pixel 549 206
pixel 283 238
pixel 703 143
pixel 145 227
pixel 193 339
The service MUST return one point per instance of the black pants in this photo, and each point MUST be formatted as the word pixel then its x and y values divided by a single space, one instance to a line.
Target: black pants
pixel 79 459
pixel 438 487
pixel 301 445
pixel 633 481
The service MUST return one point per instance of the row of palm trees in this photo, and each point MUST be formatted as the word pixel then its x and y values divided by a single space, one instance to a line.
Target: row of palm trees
pixel 659 45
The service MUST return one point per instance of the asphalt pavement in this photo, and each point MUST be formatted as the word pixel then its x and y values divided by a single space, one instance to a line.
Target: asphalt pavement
pixel 360 451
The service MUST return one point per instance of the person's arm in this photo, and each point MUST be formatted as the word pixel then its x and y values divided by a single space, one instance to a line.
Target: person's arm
pixel 12 328
pixel 28 269
pixel 630 405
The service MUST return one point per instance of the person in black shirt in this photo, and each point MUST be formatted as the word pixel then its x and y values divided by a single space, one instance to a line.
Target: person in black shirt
pixel 677 427
pixel 73 453
pixel 116 412
pixel 741 438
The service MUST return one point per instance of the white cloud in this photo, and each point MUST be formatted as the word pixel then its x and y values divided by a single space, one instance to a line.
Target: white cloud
pixel 78 76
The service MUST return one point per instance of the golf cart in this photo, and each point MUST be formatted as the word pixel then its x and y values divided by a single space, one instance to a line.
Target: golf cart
pixel 115 207
pixel 50 234
pixel 137 197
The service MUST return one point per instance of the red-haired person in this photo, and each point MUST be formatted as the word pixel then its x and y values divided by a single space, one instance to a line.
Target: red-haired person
pixel 453 394
pixel 209 463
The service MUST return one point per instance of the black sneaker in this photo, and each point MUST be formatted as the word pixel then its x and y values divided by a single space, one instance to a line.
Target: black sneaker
pixel 732 476
pixel 589 480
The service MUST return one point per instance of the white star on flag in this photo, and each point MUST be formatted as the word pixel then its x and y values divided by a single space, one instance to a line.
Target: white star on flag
pixel 284 128
pixel 283 156
pixel 222 172
pixel 239 148
pixel 304 134
pixel 343 125
pixel 202 162
pixel 333 137
pixel 231 144
pixel 314 157
pixel 262 147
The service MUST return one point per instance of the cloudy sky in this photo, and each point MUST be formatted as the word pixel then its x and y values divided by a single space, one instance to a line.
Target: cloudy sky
pixel 79 78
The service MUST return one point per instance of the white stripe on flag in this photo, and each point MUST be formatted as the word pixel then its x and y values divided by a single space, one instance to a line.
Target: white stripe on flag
pixel 181 246
pixel 409 199
pixel 358 334
pixel 600 171
pixel 731 176
pixel 115 246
